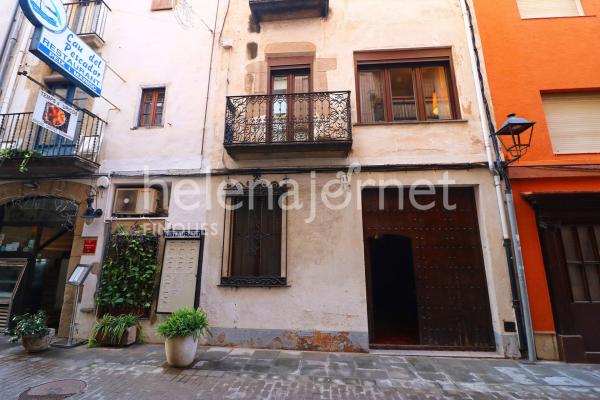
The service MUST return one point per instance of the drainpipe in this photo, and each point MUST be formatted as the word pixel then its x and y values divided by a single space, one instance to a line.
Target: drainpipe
pixel 511 239
pixel 20 58
pixel 9 41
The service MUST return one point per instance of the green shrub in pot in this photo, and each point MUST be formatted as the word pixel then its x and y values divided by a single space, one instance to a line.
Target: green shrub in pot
pixel 181 331
pixel 120 330
pixel 33 331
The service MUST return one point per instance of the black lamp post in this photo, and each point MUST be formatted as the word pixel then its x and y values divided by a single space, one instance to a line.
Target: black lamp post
pixel 91 213
pixel 515 136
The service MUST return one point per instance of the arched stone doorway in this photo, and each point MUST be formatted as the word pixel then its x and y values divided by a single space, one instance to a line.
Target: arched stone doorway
pixel 72 191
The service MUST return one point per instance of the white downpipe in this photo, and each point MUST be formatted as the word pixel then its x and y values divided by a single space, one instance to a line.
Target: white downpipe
pixel 485 130
pixel 19 59
pixel 509 228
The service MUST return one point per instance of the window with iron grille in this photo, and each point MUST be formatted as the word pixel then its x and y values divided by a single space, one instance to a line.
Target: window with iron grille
pixel 255 240
pixel 152 107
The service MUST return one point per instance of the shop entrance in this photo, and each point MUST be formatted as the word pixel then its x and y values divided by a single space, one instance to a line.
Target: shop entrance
pixel 426 283
pixel 38 230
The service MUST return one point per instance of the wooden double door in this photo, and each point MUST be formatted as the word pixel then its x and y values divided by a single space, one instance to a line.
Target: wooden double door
pixel 426 282
pixel 569 229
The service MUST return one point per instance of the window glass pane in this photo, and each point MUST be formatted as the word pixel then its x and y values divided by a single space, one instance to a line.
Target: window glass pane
pixel 403 94
pixel 371 96
pixel 280 84
pixel 158 119
pixel 437 93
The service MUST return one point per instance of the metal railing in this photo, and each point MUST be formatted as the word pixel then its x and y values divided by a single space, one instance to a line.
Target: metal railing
pixel 288 118
pixel 18 133
pixel 88 17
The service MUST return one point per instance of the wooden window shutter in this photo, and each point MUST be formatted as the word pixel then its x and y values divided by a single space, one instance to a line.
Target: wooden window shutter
pixel 573 121
pixel 549 8
pixel 158 5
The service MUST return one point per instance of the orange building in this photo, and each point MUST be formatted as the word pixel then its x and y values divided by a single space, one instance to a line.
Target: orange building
pixel 543 63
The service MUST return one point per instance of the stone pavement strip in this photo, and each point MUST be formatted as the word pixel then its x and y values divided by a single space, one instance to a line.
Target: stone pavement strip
pixel 139 372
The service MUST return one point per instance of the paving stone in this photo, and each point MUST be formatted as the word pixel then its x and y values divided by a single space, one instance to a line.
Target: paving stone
pixel 140 372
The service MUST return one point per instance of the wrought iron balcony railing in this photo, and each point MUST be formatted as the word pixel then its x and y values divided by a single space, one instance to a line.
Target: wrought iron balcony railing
pixel 87 18
pixel 18 133
pixel 320 119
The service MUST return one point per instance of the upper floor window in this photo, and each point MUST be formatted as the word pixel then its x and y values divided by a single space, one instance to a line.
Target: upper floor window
pixel 406 85
pixel 152 107
pixel 573 121
pixel 549 8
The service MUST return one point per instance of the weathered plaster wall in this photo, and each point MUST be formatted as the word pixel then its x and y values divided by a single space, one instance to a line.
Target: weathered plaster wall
pixel 150 49
pixel 354 26
pixel 326 271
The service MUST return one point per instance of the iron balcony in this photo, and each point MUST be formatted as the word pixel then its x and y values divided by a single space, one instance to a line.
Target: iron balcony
pixel 87 18
pixel 315 124
pixel 52 155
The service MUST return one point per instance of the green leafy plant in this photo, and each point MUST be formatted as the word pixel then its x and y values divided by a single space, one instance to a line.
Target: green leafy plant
pixel 112 328
pixel 29 325
pixel 129 273
pixel 184 322
pixel 24 155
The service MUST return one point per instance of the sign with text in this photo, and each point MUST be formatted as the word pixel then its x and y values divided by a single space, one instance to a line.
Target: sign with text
pixel 56 116
pixel 66 53
pixel 89 246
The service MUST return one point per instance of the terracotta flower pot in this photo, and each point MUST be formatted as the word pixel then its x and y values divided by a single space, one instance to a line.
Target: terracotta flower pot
pixel 181 351
pixel 37 344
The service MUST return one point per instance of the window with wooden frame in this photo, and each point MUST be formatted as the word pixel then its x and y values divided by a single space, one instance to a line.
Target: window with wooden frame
pixel 158 5
pixel 152 107
pixel 406 85
pixel 255 240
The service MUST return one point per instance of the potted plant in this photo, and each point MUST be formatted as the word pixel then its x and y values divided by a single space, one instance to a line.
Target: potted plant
pixel 118 331
pixel 33 332
pixel 181 331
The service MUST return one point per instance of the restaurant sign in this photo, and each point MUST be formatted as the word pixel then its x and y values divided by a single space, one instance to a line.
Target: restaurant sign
pixel 61 48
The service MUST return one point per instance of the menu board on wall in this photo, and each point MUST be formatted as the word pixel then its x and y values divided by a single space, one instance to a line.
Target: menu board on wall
pixel 179 278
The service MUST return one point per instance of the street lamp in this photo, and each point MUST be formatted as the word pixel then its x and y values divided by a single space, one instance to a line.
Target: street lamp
pixel 91 213
pixel 514 137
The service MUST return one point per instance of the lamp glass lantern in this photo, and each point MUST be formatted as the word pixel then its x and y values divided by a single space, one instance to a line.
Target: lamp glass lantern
pixel 91 213
pixel 515 135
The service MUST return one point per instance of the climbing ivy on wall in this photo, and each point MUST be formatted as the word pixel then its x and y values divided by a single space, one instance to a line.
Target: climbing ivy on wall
pixel 128 273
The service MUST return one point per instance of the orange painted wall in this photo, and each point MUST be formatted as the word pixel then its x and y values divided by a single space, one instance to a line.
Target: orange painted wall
pixel 524 58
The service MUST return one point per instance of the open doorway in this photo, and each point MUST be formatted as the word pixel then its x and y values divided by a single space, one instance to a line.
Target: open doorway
pixel 394 315
pixel 38 230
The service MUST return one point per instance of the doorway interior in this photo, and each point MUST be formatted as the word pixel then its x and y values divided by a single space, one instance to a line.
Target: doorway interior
pixel 39 230
pixel 394 291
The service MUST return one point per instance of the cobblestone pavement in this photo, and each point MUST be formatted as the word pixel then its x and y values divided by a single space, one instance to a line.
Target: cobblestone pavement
pixel 139 373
